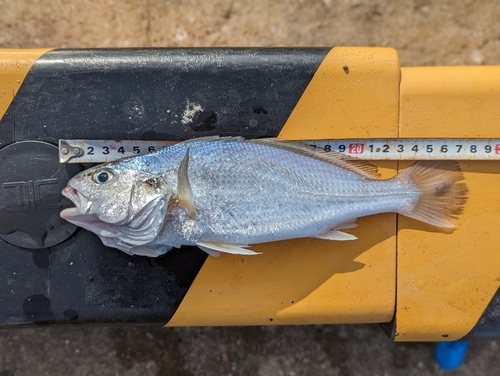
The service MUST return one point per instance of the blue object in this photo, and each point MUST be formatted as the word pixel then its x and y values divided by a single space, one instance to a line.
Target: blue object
pixel 450 355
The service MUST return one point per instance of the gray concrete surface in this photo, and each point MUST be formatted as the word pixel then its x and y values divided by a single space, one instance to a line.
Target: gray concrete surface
pixel 266 351
pixel 425 32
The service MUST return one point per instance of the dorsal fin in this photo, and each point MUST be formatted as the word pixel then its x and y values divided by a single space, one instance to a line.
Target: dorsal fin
pixel 341 160
pixel 355 165
pixel 215 138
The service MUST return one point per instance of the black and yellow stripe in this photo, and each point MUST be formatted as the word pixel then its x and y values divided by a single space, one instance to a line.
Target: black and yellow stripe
pixel 14 66
pixel 427 285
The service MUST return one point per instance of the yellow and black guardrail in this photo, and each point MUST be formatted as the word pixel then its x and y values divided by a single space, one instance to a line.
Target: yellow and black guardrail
pixel 422 284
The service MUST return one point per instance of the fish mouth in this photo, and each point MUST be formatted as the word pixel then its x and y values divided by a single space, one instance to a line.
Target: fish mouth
pixel 82 205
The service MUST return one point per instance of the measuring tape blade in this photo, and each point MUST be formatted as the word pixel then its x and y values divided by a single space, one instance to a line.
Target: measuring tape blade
pixel 101 151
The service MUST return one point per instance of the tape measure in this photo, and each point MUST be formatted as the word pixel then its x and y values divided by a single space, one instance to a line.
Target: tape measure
pixel 101 151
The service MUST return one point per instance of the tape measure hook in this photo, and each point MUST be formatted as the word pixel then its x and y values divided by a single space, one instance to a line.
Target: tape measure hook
pixel 68 151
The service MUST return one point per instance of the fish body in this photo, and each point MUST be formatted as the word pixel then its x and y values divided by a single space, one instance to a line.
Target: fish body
pixel 224 194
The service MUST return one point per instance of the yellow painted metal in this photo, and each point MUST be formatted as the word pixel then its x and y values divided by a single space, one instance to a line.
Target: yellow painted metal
pixel 308 281
pixel 446 281
pixel 302 281
pixel 354 93
pixel 14 66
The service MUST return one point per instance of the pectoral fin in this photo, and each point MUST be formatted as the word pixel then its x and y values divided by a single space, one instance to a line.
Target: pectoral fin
pixel 336 235
pixel 213 248
pixel 184 191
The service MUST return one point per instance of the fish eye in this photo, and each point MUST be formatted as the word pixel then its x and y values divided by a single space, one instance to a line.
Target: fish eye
pixel 102 177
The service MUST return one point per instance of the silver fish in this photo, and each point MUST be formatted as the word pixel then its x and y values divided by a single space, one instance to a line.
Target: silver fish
pixel 224 194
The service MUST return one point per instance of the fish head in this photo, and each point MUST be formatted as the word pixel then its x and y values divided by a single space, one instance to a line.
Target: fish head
pixel 119 199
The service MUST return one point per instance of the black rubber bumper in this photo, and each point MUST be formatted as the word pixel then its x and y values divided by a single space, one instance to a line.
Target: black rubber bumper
pixel 52 272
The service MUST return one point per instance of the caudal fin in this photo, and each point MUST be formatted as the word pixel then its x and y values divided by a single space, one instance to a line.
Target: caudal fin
pixel 442 194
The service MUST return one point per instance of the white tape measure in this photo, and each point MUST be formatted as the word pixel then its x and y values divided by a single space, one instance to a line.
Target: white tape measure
pixel 100 151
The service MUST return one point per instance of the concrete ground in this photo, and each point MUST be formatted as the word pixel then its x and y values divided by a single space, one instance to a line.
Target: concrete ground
pixel 425 32
pixel 265 351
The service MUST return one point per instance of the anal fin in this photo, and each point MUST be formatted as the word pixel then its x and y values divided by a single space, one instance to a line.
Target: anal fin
pixel 336 235
pixel 346 224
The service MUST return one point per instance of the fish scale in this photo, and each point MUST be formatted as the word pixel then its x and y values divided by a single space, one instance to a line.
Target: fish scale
pixel 281 191
pixel 223 194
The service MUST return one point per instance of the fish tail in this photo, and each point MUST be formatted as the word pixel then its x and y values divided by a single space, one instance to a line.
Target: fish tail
pixel 442 194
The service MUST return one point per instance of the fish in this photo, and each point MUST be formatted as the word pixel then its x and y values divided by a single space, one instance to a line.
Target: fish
pixel 224 194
